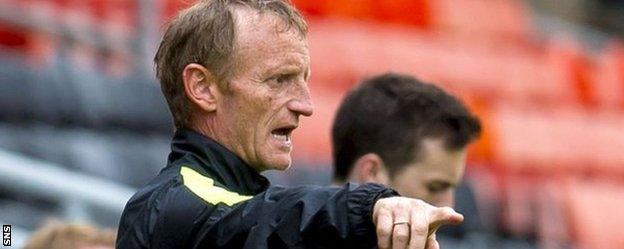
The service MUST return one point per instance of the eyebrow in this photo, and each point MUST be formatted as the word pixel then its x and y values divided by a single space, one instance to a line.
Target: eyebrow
pixel 287 70
pixel 445 182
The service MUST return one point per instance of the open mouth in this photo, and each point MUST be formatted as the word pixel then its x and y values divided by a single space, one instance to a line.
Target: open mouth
pixel 283 134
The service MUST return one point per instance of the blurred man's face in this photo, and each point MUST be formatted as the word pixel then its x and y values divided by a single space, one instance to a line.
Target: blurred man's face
pixel 267 93
pixel 95 247
pixel 435 176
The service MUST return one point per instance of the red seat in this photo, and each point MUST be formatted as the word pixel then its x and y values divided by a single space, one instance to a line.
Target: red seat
pixel 410 12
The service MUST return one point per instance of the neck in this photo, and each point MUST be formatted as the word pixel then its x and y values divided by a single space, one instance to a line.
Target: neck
pixel 208 126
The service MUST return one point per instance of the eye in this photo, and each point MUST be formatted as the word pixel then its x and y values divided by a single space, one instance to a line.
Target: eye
pixel 283 78
pixel 438 187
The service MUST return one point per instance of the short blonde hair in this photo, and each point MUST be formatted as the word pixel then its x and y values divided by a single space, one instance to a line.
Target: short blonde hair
pixel 58 235
pixel 205 33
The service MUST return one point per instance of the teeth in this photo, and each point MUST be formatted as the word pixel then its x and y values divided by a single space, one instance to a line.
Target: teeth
pixel 283 138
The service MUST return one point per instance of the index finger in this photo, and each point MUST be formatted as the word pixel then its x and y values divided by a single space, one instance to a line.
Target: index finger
pixel 442 216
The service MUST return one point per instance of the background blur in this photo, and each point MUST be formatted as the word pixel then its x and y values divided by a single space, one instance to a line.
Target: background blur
pixel 83 122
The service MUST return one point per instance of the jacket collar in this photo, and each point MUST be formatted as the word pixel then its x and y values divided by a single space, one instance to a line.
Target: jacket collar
pixel 192 149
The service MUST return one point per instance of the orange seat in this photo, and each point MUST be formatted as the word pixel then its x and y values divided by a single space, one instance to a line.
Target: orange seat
pixel 507 19
pixel 594 211
pixel 562 139
pixel 350 50
pixel 568 58
pixel 461 17
pixel 607 78
pixel 410 12
pixel 553 228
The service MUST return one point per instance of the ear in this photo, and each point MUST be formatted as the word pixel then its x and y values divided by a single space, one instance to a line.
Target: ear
pixel 370 168
pixel 201 87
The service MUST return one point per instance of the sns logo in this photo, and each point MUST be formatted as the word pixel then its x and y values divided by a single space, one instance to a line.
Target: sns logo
pixel 6 235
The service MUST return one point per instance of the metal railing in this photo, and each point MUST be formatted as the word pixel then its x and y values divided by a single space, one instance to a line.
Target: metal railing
pixel 76 193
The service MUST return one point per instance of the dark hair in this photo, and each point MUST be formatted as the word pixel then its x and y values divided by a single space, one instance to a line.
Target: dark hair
pixel 205 33
pixel 390 115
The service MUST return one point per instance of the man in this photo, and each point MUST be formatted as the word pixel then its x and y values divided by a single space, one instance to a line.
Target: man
pixel 234 73
pixel 395 130
pixel 58 235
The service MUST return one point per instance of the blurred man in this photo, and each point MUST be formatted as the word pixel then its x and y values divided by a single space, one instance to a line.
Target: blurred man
pixel 234 73
pixel 57 235
pixel 395 130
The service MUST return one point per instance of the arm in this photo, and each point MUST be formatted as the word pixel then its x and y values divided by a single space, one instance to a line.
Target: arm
pixel 295 217
pixel 304 217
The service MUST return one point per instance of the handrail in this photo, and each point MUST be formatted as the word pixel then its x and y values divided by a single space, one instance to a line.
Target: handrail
pixel 51 181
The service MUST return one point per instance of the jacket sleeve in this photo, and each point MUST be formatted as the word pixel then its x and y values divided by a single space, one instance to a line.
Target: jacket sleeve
pixel 301 217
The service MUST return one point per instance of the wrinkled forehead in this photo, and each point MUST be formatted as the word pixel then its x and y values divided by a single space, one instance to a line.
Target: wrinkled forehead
pixel 254 28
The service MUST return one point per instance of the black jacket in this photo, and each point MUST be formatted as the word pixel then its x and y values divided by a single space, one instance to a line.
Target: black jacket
pixel 207 197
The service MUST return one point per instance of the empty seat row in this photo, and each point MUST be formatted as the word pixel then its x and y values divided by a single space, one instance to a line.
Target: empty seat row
pixel 124 157
pixel 508 72
pixel 565 211
pixel 461 17
pixel 561 139
pixel 61 95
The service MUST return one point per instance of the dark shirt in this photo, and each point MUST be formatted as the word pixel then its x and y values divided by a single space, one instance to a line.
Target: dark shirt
pixel 207 197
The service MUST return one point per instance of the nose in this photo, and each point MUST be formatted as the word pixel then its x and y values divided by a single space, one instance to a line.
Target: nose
pixel 447 199
pixel 302 104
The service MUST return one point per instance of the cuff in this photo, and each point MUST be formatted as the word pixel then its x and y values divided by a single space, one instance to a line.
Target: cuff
pixel 360 202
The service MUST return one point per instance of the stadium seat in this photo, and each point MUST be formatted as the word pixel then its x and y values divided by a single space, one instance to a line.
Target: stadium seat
pixel 553 228
pixel 607 78
pixel 519 203
pixel 561 139
pixel 507 72
pixel 507 20
pixel 15 81
pixel 125 109
pixel 594 209
pixel 568 59
pixel 114 155
pixel 12 38
pixel 463 18
pixel 414 13
pixel 21 211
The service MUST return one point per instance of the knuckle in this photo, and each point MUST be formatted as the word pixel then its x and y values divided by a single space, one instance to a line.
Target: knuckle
pixel 382 232
pixel 442 213
pixel 401 236
pixel 403 205
pixel 446 210
pixel 420 230
pixel 418 204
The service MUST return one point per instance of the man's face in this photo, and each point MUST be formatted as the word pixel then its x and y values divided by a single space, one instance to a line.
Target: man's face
pixel 267 93
pixel 435 176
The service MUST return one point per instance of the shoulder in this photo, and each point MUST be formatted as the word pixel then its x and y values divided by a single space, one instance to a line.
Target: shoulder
pixel 165 207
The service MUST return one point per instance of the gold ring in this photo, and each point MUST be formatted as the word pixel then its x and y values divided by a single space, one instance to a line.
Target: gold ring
pixel 401 223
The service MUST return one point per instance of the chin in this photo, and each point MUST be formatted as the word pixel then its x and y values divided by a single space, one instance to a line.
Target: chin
pixel 281 166
pixel 280 163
